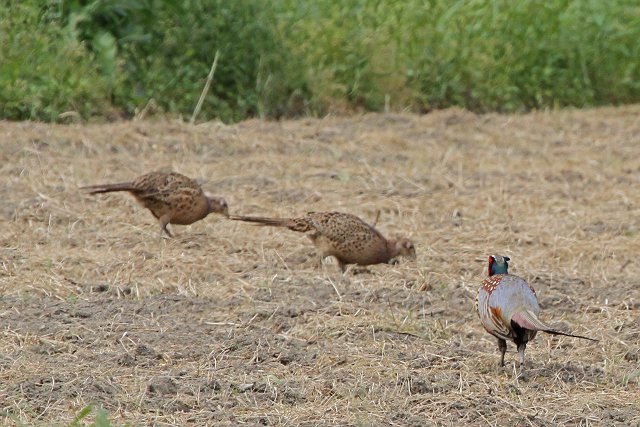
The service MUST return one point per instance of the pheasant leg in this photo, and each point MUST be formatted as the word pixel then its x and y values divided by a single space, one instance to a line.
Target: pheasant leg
pixel 164 221
pixel 521 348
pixel 502 346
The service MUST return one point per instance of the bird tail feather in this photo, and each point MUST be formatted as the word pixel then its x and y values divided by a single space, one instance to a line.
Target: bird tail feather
pixel 259 220
pixel 528 320
pixel 107 188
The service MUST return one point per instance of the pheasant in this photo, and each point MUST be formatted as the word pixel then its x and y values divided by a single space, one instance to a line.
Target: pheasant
pixel 344 236
pixel 508 309
pixel 171 197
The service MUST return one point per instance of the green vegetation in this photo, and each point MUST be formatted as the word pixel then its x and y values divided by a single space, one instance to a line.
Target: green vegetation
pixel 43 71
pixel 288 57
pixel 101 419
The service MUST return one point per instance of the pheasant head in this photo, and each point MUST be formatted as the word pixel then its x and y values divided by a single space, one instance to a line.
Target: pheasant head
pixel 402 247
pixel 498 264
pixel 218 205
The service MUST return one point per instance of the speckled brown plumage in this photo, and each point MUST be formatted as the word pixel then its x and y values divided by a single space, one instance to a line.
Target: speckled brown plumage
pixel 171 197
pixel 343 236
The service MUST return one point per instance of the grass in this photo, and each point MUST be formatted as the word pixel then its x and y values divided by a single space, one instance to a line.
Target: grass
pixel 44 72
pixel 302 58
pixel 229 324
pixel 100 420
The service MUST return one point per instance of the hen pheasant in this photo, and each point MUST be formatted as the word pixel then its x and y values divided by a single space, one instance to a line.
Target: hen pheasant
pixel 345 237
pixel 171 197
pixel 508 309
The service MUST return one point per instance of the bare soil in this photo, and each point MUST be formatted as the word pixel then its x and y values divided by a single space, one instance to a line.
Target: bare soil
pixel 231 324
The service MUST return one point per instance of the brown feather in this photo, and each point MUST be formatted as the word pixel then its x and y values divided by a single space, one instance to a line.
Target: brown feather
pixel 107 188
pixel 264 221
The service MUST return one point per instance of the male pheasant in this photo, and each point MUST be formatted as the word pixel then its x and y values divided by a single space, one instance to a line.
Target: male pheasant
pixel 344 236
pixel 171 197
pixel 508 309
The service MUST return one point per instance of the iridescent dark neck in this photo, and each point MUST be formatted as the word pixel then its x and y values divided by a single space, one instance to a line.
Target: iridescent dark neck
pixel 498 265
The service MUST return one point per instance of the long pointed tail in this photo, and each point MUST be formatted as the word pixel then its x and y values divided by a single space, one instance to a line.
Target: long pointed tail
pixel 259 220
pixel 554 332
pixel 107 188
pixel 528 320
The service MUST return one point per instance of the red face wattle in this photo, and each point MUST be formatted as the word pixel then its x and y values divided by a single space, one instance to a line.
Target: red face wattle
pixel 491 261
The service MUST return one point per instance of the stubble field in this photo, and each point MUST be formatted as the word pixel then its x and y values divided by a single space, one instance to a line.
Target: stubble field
pixel 232 324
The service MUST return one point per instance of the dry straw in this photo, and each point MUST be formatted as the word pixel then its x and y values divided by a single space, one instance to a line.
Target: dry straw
pixel 229 324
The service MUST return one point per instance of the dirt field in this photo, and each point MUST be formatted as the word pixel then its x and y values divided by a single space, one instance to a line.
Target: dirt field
pixel 231 324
